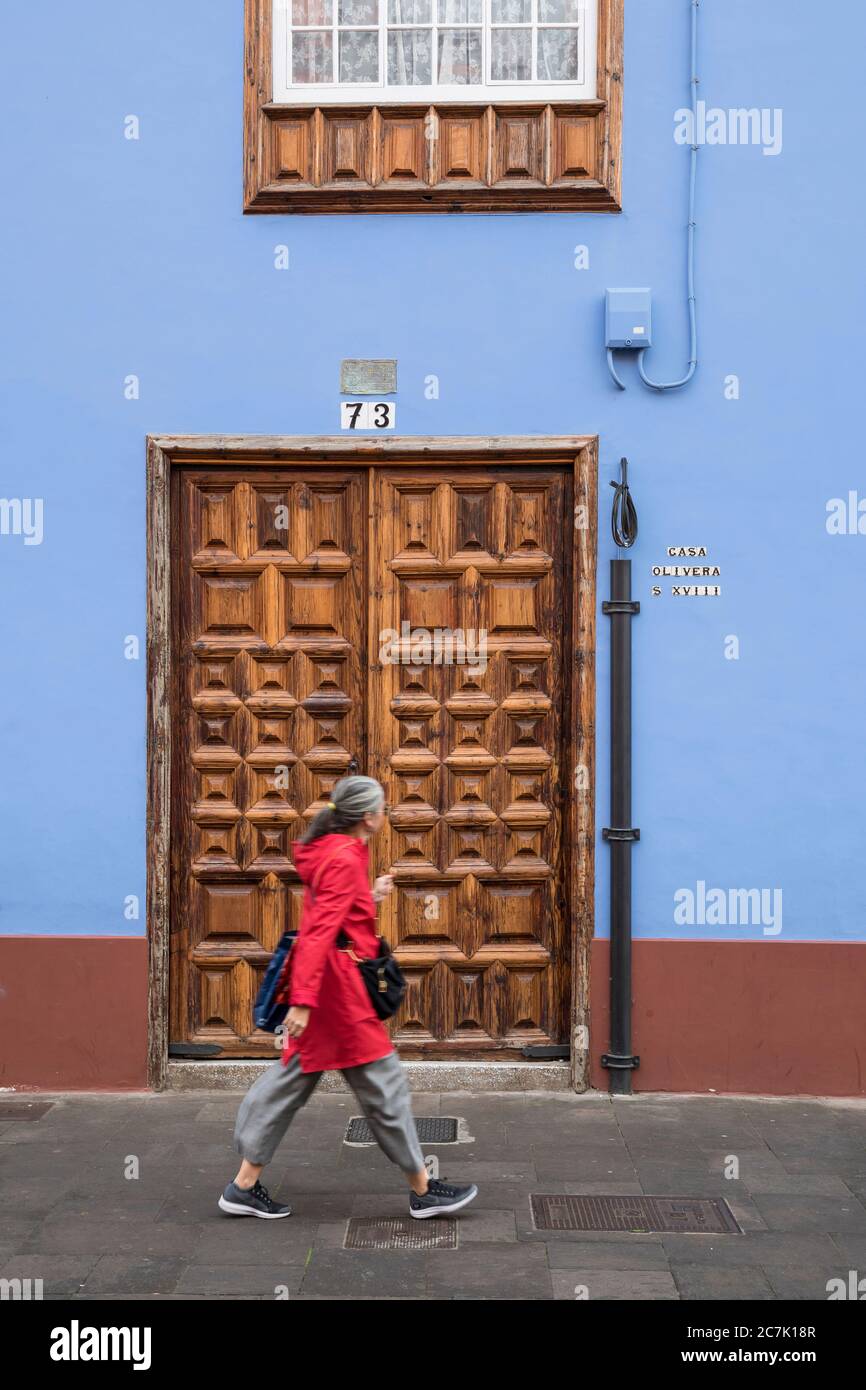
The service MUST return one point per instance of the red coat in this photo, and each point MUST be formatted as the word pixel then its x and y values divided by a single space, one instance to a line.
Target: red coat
pixel 344 1029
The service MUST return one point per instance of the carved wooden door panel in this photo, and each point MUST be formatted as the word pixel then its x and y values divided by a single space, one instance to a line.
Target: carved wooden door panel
pixel 291 665
pixel 269 625
pixel 469 662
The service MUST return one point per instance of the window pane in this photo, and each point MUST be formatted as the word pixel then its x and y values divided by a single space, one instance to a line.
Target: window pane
pixel 312 12
pixel 358 12
pixel 409 11
pixel 460 11
pixel 558 11
pixel 312 58
pixel 410 57
pixel 359 55
pixel 511 55
pixel 459 55
pixel 558 55
pixel 511 11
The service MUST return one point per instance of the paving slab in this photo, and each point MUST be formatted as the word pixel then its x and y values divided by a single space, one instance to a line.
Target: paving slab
pixel 607 1254
pixel 275 1280
pixel 61 1275
pixel 373 1273
pixel 510 1272
pixel 789 1213
pixel 811 1283
pixel 746 1283
pixel 632 1285
pixel 134 1274
pixel 761 1248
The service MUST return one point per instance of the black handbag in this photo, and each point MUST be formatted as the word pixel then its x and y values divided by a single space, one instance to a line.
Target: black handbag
pixel 383 979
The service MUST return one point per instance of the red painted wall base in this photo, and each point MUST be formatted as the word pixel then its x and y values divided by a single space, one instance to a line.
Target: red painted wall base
pixel 753 1018
pixel 73 1013
pixel 741 1017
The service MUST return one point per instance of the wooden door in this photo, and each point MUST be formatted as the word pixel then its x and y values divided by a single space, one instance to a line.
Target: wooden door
pixel 467 735
pixel 407 622
pixel 269 624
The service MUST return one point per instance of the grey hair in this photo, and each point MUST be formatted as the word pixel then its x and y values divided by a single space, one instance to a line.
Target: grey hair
pixel 353 798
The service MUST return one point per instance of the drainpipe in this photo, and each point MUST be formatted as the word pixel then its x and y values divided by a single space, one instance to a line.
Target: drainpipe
pixel 620 1061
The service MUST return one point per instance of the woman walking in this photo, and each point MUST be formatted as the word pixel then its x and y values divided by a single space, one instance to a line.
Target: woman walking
pixel 331 1024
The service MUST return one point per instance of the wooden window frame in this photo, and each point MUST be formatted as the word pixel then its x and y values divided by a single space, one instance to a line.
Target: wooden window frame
pixel 578 453
pixel 544 156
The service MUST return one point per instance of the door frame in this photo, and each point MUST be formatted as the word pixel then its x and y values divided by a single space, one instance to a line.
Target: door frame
pixel 166 452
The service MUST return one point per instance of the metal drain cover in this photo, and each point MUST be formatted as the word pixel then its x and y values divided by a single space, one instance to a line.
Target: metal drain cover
pixel 24 1109
pixel 639 1215
pixel 399 1233
pixel 432 1129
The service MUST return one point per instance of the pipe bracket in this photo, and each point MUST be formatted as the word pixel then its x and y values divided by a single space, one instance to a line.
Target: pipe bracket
pixel 618 1062
pixel 620 605
pixel 619 834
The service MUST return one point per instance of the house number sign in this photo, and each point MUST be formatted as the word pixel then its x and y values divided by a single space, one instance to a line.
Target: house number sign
pixel 368 415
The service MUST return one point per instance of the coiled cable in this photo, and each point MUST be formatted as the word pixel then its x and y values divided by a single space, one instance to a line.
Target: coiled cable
pixel 623 518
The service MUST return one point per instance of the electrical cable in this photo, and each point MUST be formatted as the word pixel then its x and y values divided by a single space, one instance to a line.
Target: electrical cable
pixel 612 369
pixel 623 517
pixel 693 322
pixel 693 318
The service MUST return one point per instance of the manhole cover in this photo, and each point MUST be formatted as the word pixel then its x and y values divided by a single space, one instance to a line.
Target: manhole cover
pixel 399 1233
pixel 24 1109
pixel 432 1129
pixel 640 1215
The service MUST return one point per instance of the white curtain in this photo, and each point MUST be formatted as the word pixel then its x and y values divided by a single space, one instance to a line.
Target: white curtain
pixel 312 57
pixel 409 12
pixel 311 12
pixel 558 55
pixel 558 11
pixel 359 55
pixel 511 11
pixel 460 11
pixel 511 55
pixel 358 12
pixel 410 56
pixel 459 56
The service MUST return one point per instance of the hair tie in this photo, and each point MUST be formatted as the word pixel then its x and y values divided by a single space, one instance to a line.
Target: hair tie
pixel 331 806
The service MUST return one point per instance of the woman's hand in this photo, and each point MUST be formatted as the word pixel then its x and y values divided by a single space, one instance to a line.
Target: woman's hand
pixel 296 1020
pixel 382 887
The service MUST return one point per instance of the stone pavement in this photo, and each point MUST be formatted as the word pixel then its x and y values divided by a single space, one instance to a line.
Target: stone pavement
pixel 69 1216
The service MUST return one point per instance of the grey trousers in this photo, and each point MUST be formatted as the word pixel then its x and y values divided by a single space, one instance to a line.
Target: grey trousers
pixel 380 1088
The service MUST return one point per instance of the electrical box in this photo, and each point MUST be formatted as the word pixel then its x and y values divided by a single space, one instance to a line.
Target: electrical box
pixel 628 319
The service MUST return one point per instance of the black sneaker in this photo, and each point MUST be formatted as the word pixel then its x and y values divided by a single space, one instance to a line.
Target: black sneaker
pixel 441 1199
pixel 252 1201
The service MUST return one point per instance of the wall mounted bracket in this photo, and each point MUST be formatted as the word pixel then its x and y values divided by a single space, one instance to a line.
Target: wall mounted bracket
pixel 614 1062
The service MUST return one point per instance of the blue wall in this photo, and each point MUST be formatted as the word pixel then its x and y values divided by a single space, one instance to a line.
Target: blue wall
pixel 133 257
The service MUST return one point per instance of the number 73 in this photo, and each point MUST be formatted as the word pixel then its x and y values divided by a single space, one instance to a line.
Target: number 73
pixel 368 415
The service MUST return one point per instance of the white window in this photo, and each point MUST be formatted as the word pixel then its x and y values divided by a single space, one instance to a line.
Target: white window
pixel 419 51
